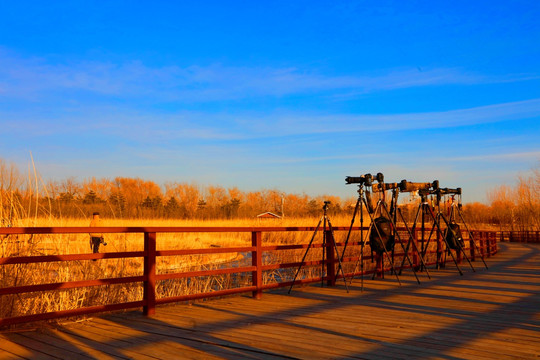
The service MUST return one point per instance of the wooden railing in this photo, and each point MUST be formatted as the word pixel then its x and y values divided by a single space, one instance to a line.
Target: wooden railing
pixel 520 236
pixel 486 245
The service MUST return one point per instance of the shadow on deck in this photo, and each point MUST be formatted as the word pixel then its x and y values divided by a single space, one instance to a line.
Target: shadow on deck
pixel 485 314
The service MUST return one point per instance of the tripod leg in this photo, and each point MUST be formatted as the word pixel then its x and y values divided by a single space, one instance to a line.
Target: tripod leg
pixel 361 259
pixel 323 248
pixel 411 240
pixel 305 254
pixel 340 266
pixel 411 237
pixel 472 238
pixel 350 227
pixel 361 249
pixel 368 234
pixel 399 238
pixel 425 246
pixel 384 248
pixel 362 241
pixel 459 244
pixel 361 266
pixel 440 232
pixel 406 250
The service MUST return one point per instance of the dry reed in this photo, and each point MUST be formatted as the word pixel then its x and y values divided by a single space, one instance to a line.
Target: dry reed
pixel 58 272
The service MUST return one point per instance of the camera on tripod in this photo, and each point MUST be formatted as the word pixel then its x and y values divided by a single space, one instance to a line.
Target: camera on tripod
pixel 407 186
pixel 366 179
pixel 447 191
pixel 380 187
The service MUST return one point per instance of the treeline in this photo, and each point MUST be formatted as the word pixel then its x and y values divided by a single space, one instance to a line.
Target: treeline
pixel 123 197
pixel 509 208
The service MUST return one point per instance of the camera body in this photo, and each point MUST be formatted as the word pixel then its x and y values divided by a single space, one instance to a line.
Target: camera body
pixel 384 187
pixel 326 205
pixel 407 186
pixel 447 191
pixel 366 179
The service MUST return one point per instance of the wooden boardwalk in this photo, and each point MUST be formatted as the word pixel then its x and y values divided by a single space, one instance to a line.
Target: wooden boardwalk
pixel 489 314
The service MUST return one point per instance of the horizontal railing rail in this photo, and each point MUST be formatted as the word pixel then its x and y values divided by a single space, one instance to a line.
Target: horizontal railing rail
pixel 520 236
pixel 486 245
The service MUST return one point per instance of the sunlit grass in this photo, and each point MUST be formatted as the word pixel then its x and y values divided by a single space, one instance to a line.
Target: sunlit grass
pixel 58 272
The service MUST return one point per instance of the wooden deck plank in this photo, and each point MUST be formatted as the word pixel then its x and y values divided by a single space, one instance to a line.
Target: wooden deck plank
pixel 232 339
pixel 15 350
pixel 45 347
pixel 485 314
pixel 167 347
pixel 385 331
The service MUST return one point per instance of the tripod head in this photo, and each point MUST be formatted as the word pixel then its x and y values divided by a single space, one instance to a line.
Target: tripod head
pixel 381 186
pixel 326 205
pixel 447 191
pixel 437 191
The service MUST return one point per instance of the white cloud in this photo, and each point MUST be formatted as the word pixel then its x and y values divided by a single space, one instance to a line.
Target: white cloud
pixel 210 126
pixel 291 124
pixel 40 78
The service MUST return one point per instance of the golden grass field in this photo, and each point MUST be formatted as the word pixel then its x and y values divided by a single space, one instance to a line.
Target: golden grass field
pixel 56 272
pixel 79 243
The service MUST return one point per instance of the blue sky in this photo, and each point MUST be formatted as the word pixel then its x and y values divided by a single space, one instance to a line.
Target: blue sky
pixel 285 95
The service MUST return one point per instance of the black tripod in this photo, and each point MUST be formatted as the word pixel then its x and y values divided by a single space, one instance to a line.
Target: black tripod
pixel 357 207
pixel 381 205
pixel 471 237
pixel 426 209
pixel 393 215
pixel 325 220
pixel 362 200
pixel 422 209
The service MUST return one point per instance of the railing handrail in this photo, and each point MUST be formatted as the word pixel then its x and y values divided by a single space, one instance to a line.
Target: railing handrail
pixel 485 239
pixel 157 229
pixel 526 236
pixel 22 230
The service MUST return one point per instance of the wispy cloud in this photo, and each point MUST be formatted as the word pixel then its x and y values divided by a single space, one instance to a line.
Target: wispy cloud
pixel 37 78
pixel 152 126
pixel 513 156
pixel 292 124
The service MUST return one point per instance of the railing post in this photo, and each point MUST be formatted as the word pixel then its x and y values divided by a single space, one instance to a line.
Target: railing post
pixel 471 246
pixel 379 264
pixel 149 292
pixel 493 243
pixel 256 260
pixel 482 245
pixel 415 256
pixel 488 244
pixel 330 259
pixel 440 257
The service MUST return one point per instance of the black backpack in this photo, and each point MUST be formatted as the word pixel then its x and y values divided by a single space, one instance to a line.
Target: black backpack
pixel 386 238
pixel 453 236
